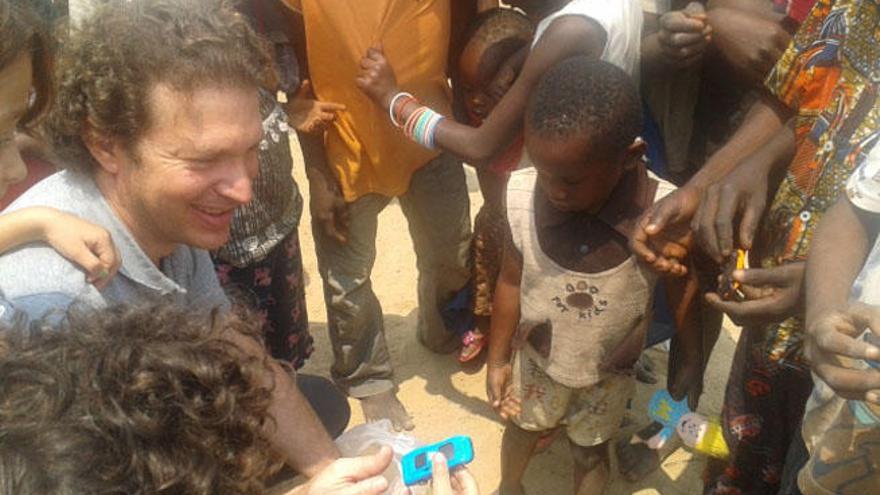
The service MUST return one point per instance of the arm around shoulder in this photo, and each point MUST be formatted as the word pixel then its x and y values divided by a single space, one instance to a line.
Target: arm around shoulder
pixel 87 245
pixel 566 37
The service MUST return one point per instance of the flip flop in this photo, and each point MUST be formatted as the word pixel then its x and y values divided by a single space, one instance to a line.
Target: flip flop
pixel 475 342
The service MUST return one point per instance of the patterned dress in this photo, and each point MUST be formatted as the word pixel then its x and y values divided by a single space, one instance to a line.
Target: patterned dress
pixel 261 265
pixel 829 76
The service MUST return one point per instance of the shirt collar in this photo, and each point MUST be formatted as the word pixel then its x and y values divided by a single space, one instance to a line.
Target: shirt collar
pixel 136 265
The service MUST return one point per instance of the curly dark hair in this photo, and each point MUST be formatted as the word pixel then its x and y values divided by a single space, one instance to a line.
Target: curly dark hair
pixel 110 64
pixel 134 400
pixel 23 32
pixel 581 95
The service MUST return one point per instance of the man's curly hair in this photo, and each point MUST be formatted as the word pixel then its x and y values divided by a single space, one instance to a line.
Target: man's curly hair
pixel 129 400
pixel 595 99
pixel 110 64
pixel 22 32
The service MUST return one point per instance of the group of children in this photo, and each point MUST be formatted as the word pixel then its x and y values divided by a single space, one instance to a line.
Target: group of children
pixel 571 305
pixel 566 304
pixel 553 121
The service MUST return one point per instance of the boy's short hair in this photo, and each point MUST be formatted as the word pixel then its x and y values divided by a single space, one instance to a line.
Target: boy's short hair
pixel 110 64
pixel 133 400
pixel 498 24
pixel 581 95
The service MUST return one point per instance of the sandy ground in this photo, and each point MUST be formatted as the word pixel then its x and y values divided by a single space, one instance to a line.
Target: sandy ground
pixel 446 399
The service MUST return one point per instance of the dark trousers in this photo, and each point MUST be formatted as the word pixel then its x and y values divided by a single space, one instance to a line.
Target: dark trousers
pixel 329 403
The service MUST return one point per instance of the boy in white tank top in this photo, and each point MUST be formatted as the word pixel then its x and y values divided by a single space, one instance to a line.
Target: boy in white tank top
pixel 572 305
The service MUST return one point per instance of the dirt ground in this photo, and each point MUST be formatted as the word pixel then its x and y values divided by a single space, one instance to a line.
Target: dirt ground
pixel 446 399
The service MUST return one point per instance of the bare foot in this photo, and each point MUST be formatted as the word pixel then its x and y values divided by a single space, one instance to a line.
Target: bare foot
pixel 387 406
pixel 645 370
pixel 636 459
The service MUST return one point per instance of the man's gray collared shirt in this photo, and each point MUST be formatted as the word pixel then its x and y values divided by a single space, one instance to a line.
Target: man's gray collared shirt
pixel 37 279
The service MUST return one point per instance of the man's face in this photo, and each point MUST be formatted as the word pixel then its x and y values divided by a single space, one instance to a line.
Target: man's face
pixel 570 175
pixel 192 168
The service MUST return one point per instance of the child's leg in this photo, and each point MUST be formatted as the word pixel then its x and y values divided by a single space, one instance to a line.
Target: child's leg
pixel 591 468
pixel 517 447
pixel 486 250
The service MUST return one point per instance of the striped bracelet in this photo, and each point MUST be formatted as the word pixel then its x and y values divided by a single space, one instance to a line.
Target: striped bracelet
pixel 420 125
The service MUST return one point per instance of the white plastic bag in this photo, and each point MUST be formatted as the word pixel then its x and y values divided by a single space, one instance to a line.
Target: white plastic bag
pixel 367 438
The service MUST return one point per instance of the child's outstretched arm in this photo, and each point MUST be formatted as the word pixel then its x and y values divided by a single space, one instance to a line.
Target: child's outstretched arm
pixel 565 37
pixel 837 253
pixel 687 356
pixel 668 221
pixel 505 320
pixel 308 114
pixel 81 242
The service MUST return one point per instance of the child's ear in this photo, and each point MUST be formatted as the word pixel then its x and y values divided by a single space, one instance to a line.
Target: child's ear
pixel 635 153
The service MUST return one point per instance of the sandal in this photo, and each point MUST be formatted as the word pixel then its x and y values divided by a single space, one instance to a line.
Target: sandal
pixel 472 344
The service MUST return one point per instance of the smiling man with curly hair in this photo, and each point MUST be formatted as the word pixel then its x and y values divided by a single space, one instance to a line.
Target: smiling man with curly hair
pixel 157 125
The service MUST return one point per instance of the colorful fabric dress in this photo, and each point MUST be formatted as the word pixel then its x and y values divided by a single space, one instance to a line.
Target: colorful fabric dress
pixel 261 265
pixel 829 76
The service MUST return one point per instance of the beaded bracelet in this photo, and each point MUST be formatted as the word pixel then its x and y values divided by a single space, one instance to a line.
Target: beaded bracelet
pixel 421 126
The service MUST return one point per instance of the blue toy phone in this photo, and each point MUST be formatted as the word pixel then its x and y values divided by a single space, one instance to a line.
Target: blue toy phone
pixel 416 465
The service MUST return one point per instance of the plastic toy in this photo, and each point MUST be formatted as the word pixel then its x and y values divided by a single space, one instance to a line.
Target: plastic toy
pixel 697 432
pixel 703 435
pixel 728 288
pixel 667 411
pixel 416 465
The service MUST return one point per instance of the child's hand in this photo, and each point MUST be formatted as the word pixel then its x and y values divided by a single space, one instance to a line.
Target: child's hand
pixel 740 196
pixel 772 294
pixel 306 114
pixel 684 34
pixel 511 406
pixel 662 237
pixel 376 77
pixel 328 207
pixel 499 387
pixel 750 43
pixel 833 338
pixel 85 244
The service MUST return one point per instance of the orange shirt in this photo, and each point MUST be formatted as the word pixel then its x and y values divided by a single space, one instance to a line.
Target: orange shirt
pixel 366 151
